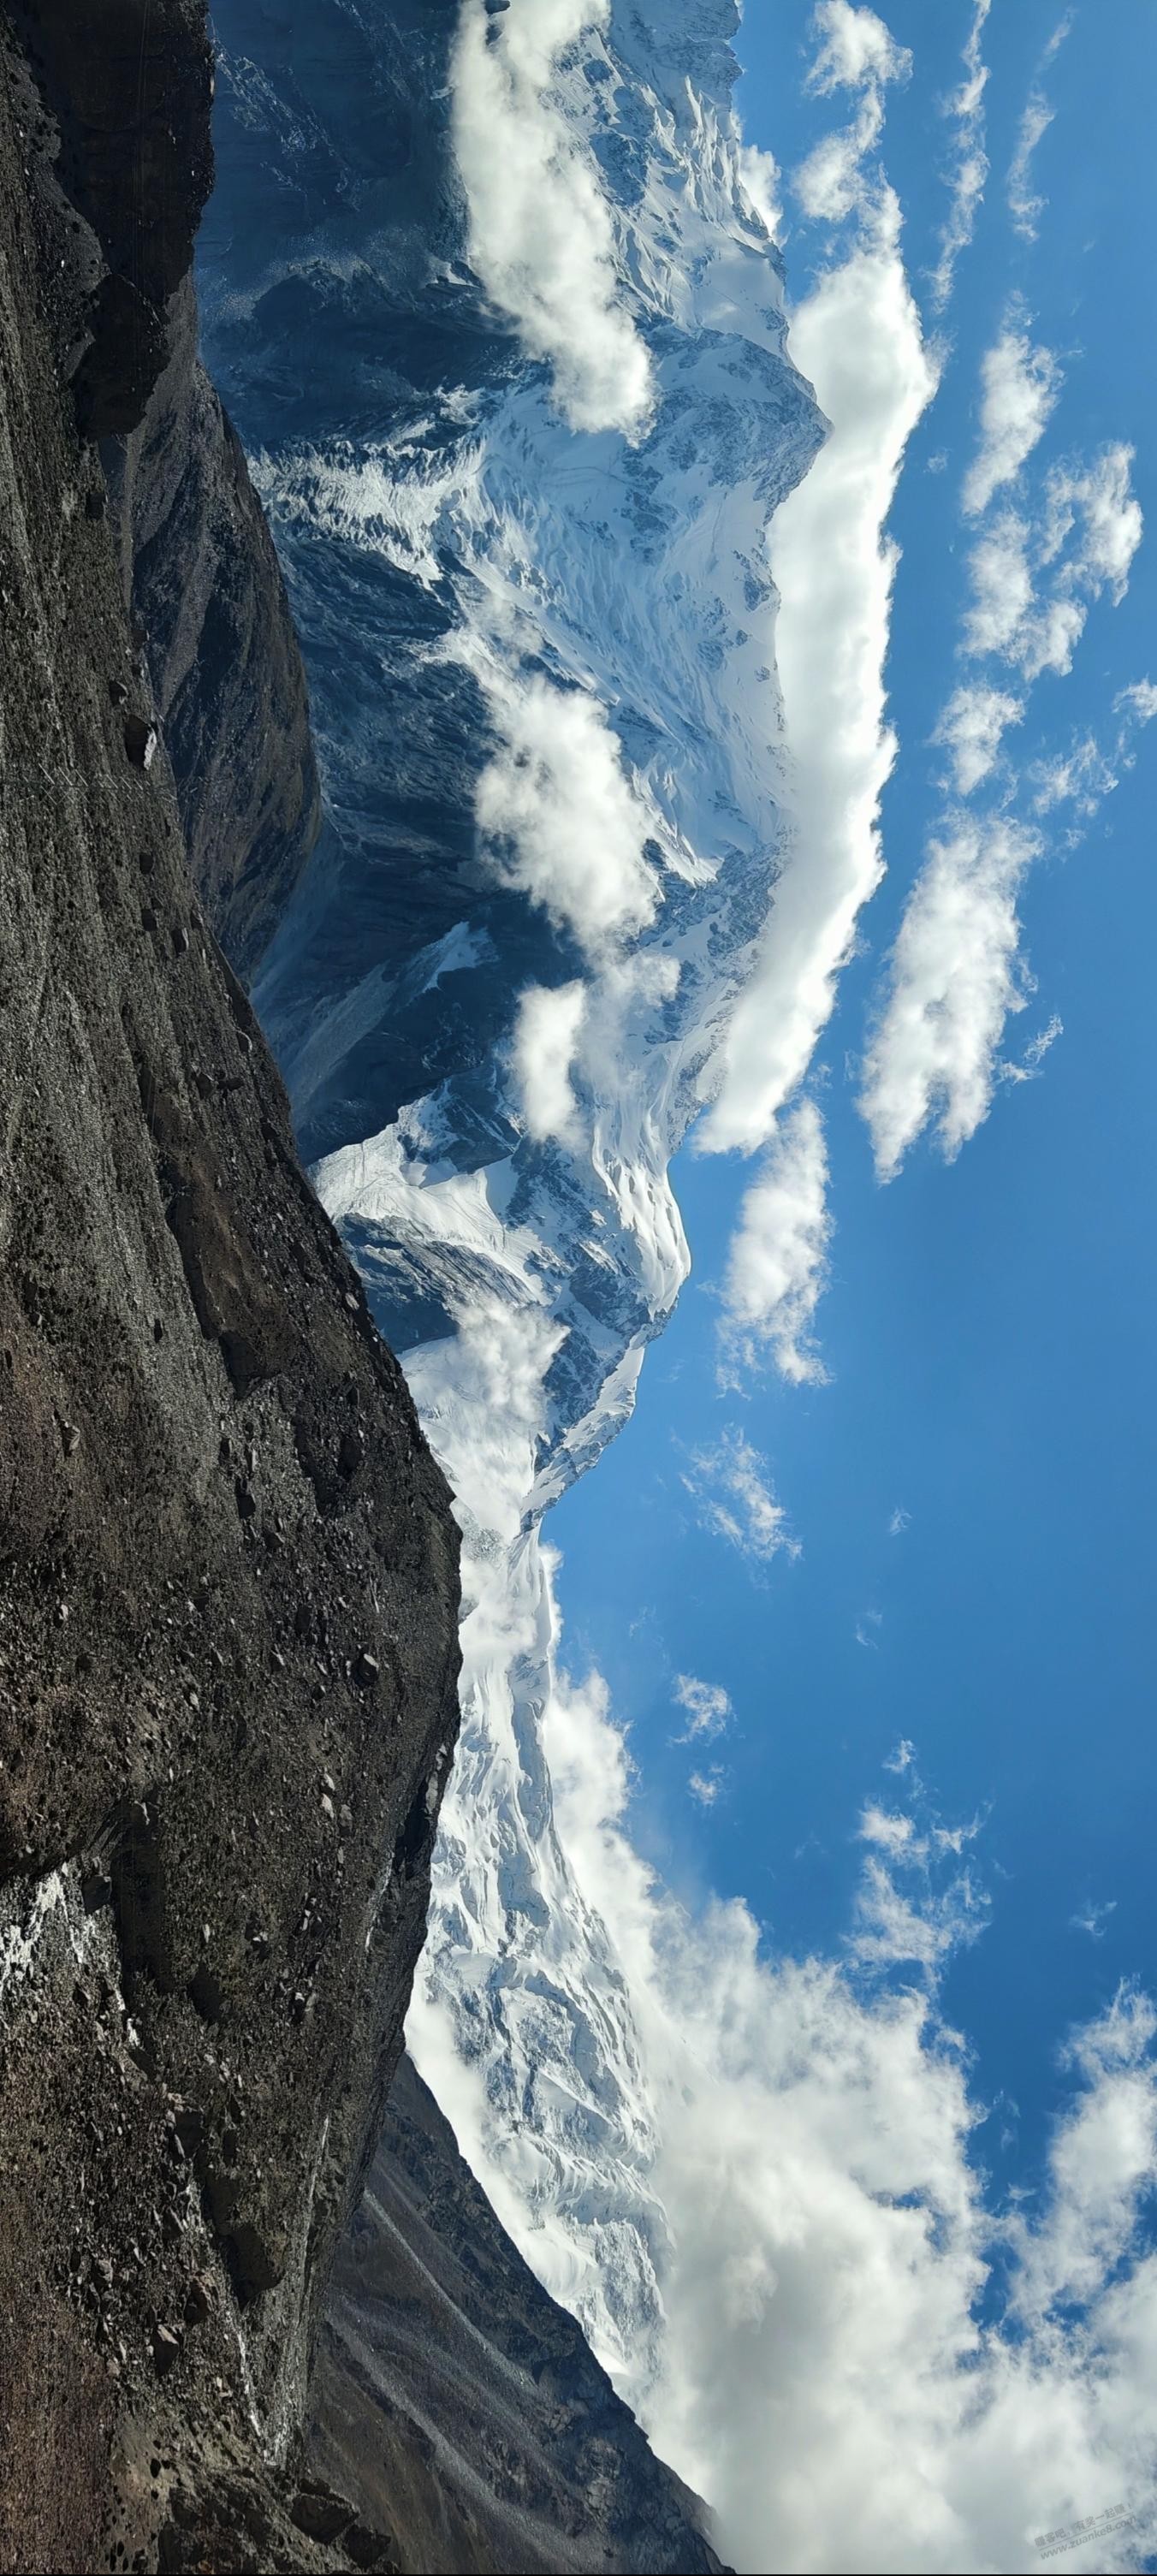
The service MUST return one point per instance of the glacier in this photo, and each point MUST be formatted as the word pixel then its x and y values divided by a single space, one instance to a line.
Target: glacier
pixel 493 300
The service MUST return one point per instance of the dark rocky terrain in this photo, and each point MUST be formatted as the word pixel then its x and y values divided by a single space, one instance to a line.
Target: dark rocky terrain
pixel 228 1586
pixel 454 2398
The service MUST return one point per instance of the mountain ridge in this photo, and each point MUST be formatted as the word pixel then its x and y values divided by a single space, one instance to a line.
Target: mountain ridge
pixel 542 667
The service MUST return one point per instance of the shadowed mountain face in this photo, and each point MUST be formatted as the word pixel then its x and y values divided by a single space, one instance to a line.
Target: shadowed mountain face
pixel 460 2405
pixel 228 1583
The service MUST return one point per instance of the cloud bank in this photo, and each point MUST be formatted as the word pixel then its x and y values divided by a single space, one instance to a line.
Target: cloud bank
pixel 829 2379
pixel 859 340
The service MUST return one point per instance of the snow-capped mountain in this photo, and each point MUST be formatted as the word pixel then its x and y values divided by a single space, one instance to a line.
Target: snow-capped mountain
pixel 490 289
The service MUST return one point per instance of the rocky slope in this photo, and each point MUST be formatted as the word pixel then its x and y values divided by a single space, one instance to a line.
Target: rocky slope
pixel 228 1583
pixel 456 2401
pixel 120 180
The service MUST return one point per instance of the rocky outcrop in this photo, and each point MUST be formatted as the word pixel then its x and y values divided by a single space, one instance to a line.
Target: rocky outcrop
pixel 460 2405
pixel 113 107
pixel 228 1586
pixel 204 587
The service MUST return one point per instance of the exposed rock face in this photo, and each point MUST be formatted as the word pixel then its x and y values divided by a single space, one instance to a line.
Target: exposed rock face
pixel 228 1587
pixel 459 2404
pixel 204 584
pixel 116 130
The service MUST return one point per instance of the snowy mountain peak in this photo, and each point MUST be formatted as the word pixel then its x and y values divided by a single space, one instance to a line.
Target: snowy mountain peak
pixel 523 510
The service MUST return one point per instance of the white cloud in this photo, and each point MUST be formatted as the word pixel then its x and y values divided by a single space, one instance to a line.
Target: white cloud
pixel 953 981
pixel 705 1786
pixel 1035 1052
pixel 905 1753
pixel 894 1927
pixel 1093 1918
pixel 1088 771
pixel 858 338
pixel 777 1265
pixel 1002 590
pixel 826 2379
pixel 1081 777
pixel 1098 501
pixel 760 177
pixel 892 1832
pixel 560 814
pixel 970 162
pixel 829 183
pixel 900 1521
pixel 854 50
pixel 546 1036
pixel 1020 389
pixel 1024 204
pixel 708 1707
pixel 731 1485
pixel 971 730
pixel 541 233
pixel 1139 699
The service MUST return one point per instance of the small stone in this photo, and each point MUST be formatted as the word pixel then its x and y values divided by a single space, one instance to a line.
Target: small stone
pixel 366 1669
pixel 326 1804
pixel 70 1438
pixel 118 693
pixel 166 2350
pixel 180 940
pixel 198 2299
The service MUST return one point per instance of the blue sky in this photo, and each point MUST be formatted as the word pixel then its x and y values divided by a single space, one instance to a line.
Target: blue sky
pixel 988 1323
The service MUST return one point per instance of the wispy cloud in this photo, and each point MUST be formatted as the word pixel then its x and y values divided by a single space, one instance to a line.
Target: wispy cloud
pixel 541 235
pixel 970 161
pixel 1087 771
pixel 903 1757
pixel 900 1521
pixel 1020 386
pixel 732 1486
pixel 1025 204
pixel 1093 1918
pixel 777 1266
pixel 704 1786
pixel 707 1706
